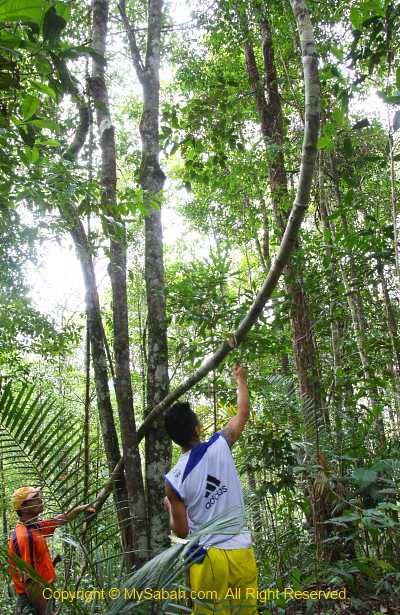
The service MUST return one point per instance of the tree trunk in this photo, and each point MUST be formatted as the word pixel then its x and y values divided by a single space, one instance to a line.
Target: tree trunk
pixel 356 308
pixel 271 120
pixel 97 336
pixel 118 270
pixel 394 199
pixel 158 444
pixel 336 346
pixel 315 418
pixel 86 424
pixel 3 501
pixel 394 338
pixel 99 359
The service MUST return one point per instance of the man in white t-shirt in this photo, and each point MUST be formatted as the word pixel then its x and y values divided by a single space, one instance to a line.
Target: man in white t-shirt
pixel 203 485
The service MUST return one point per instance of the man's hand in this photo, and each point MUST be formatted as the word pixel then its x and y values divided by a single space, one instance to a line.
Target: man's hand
pixel 239 373
pixel 167 504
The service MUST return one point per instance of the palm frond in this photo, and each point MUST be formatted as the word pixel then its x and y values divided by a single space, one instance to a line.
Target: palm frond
pixel 38 445
pixel 166 570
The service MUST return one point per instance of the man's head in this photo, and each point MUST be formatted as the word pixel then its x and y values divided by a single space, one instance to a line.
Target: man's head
pixel 182 424
pixel 27 502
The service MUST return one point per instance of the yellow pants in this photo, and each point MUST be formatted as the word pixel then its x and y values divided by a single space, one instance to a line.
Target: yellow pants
pixel 225 583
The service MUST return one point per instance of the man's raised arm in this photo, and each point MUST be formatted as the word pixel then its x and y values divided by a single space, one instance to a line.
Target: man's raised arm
pixel 234 428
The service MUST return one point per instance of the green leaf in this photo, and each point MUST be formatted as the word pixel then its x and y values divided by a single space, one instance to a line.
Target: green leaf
pixel 22 10
pixel 337 52
pixel 343 519
pixel 35 154
pixel 398 78
pixel 9 41
pixel 53 25
pixel 63 9
pixel 45 89
pixel 7 81
pixel 364 477
pixel 347 147
pixel 48 142
pixel 45 123
pixel 29 106
pixel 81 50
pixel 355 17
pixel 43 66
pixel 324 142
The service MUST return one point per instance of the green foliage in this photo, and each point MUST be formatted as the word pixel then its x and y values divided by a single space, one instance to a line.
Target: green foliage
pixel 34 439
pixel 294 458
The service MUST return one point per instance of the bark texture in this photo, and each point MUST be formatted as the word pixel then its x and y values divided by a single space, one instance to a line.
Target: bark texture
pixel 118 270
pixel 158 444
pixel 355 303
pixel 271 121
pixel 97 336
pixel 99 360
pixel 336 393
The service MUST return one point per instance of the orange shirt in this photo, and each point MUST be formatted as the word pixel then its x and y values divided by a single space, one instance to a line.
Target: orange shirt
pixel 29 543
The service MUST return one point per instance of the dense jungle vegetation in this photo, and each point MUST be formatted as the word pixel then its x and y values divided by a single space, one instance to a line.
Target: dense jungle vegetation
pixel 159 147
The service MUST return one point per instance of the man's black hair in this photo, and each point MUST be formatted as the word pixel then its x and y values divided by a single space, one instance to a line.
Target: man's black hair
pixel 180 423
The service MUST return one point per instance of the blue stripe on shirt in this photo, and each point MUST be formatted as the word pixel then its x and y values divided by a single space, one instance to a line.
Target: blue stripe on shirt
pixel 31 548
pixel 15 543
pixel 174 489
pixel 197 453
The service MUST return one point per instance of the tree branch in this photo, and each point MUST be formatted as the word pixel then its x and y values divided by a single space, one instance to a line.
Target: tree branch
pixel 133 46
pixel 82 129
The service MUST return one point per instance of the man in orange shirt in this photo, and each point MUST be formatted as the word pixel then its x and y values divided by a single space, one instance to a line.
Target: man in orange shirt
pixel 28 542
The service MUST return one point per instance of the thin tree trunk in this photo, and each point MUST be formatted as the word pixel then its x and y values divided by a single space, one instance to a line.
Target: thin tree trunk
pixel 394 338
pixel 391 319
pixel 336 346
pixel 87 402
pixel 95 326
pixel 356 308
pixel 271 121
pixel 394 199
pixel 158 444
pixel 255 508
pixel 118 271
pixel 265 259
pixel 3 501
pixel 99 358
pixel 86 424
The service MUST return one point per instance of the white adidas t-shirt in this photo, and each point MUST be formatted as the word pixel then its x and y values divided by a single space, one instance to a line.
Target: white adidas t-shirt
pixel 206 480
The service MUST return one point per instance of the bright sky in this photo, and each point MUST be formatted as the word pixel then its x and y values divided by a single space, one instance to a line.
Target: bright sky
pixel 57 284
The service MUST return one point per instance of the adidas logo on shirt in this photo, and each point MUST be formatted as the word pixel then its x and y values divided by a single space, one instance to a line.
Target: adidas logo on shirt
pixel 212 484
pixel 213 487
